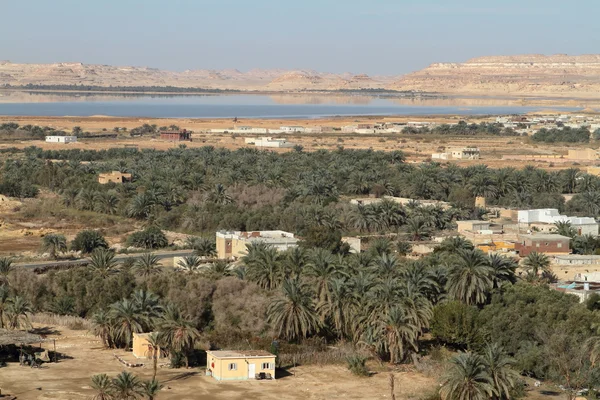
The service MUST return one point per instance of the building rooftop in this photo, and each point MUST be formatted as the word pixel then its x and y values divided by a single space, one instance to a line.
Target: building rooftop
pixel 240 353
pixel 545 236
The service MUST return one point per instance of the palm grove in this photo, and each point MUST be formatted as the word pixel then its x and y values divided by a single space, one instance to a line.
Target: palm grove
pixel 378 301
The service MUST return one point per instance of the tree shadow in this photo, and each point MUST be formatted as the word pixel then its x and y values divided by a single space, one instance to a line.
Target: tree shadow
pixel 45 330
pixel 182 376
pixel 550 393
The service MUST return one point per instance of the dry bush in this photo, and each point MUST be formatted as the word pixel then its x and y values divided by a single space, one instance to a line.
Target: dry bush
pixel 307 355
pixel 239 307
pixel 255 196
pixel 67 321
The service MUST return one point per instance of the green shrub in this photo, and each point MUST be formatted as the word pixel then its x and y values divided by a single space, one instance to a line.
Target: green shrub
pixel 357 365
pixel 150 238
pixel 88 240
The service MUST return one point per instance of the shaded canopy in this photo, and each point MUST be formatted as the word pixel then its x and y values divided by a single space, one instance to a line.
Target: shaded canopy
pixel 18 337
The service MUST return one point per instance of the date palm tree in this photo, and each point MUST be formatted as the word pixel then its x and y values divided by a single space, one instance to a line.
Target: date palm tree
pixel 503 270
pixel 398 334
pixel 17 312
pixel 295 261
pixel 103 386
pixel 102 327
pixel 54 244
pixel 147 264
pixel 417 228
pixel 500 368
pixel 263 265
pixel 151 388
pixel 177 332
pixel 4 296
pixel 536 264
pixel 103 263
pixel 128 319
pixel 189 264
pixel 470 277
pixel 127 386
pixel 322 269
pixel 5 269
pixel 467 378
pixel 154 344
pixel 293 315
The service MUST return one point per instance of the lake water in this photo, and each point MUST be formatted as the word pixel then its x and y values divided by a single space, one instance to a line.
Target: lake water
pixel 249 106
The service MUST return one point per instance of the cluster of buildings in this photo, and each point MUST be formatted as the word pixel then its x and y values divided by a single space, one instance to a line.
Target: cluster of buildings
pixel 528 125
pixel 464 153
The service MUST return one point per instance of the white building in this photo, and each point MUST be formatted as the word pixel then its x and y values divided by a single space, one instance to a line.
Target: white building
pixel 269 142
pixel 292 129
pixel 583 225
pixel 61 139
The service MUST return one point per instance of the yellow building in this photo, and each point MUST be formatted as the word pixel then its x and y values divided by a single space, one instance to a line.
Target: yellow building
pixel 498 246
pixel 141 346
pixel 115 176
pixel 227 365
pixel 593 170
pixel 583 154
pixel 233 244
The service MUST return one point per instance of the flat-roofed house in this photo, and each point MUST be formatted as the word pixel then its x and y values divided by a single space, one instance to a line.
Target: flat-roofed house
pixel 233 244
pixel 176 135
pixel 230 365
pixel 542 243
pixel 114 176
pixel 61 139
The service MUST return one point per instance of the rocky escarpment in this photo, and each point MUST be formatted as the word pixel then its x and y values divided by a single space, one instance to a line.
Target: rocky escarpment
pixel 557 75
pixel 106 75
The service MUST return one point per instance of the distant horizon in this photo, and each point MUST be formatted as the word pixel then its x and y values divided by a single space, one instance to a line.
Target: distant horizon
pixel 378 38
pixel 250 69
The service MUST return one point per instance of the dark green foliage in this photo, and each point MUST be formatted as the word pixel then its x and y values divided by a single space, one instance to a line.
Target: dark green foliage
pixel 455 323
pixel 566 134
pixel 357 365
pixel 88 240
pixel 150 238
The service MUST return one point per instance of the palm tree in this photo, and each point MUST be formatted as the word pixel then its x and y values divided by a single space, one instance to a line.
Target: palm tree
pixel 219 195
pixel 263 265
pixel 55 244
pixel 467 379
pixel 177 332
pixel 103 386
pixel 150 389
pixel 154 344
pixel 454 244
pixel 535 264
pixel 148 304
pixel 147 264
pixel 339 309
pixel 203 247
pixel 381 246
pixel 470 277
pixel 293 315
pixel 503 269
pixel 564 228
pixel 5 269
pixel 189 264
pixel 127 386
pixel 295 261
pixel 102 327
pixel 17 311
pixel 417 228
pixel 322 268
pixel 127 319
pixel 4 296
pixel 499 367
pixel 103 263
pixel 399 334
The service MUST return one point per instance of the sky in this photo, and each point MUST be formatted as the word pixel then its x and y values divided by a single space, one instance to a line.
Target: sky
pixel 377 37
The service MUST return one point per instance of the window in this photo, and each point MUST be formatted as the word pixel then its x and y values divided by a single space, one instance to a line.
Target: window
pixel 232 367
pixel 559 245
pixel 537 245
pixel 267 366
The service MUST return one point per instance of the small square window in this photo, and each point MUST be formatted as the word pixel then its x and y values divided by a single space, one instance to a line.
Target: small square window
pixel 559 245
pixel 537 245
pixel 232 367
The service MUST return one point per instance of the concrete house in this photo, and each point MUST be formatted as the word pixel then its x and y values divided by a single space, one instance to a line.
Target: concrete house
pixel 142 348
pixel 233 244
pixel 114 176
pixel 292 129
pixel 542 243
pixel 227 365
pixel 61 139
pixel 176 135
pixel 466 153
pixel 545 219
pixel 583 154
pixel 473 226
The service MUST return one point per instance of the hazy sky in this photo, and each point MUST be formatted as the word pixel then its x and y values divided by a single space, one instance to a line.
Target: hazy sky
pixel 360 36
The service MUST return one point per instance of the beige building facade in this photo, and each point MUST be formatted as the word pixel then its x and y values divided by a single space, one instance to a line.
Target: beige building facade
pixel 226 365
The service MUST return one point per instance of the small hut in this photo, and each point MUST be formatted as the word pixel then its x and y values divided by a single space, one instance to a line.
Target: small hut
pixel 18 338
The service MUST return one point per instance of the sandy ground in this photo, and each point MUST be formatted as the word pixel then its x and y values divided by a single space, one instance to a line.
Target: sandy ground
pixel 70 378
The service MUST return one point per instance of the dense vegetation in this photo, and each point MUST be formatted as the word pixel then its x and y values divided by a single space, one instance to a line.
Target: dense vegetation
pixel 564 134
pixel 377 301
pixel 95 88
pixel 464 129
